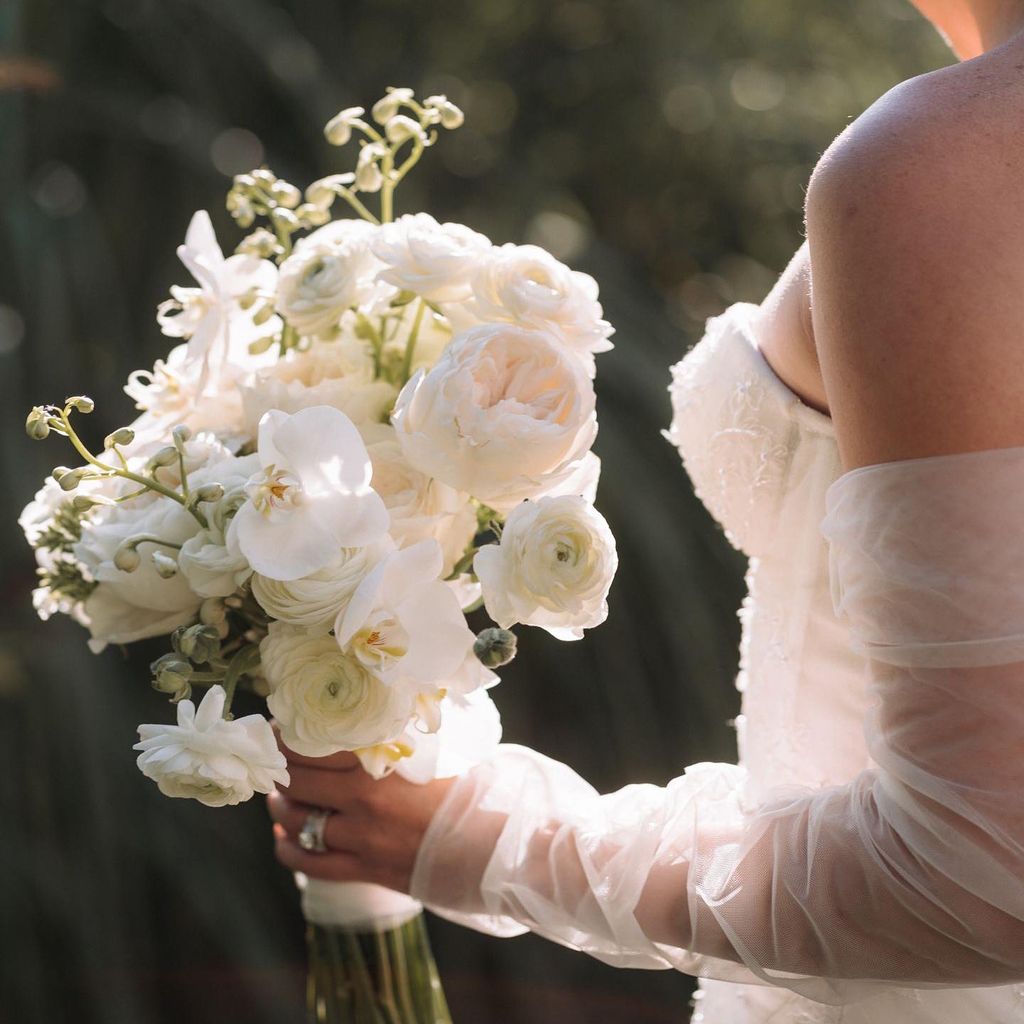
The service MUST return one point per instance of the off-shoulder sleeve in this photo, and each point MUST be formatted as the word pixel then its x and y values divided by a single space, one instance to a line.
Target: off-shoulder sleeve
pixel 911 874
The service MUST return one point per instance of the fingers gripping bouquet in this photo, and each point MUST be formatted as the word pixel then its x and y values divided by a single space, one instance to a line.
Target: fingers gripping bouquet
pixel 367 427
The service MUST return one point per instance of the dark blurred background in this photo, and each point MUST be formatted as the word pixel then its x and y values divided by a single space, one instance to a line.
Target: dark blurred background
pixel 661 145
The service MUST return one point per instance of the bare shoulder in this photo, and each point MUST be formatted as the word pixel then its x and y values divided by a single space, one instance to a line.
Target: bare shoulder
pixel 915 224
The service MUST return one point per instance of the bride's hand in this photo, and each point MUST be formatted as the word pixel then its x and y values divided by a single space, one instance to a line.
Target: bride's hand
pixel 375 830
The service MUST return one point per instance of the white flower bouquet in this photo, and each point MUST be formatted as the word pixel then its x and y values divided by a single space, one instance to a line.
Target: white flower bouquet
pixel 369 427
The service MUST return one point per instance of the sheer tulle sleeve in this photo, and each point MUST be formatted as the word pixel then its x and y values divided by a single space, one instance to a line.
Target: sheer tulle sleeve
pixel 911 874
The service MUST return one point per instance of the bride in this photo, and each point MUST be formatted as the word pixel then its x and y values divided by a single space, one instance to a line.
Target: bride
pixel 860 435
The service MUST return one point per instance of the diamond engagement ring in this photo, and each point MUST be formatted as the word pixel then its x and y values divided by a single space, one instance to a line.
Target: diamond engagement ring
pixel 311 835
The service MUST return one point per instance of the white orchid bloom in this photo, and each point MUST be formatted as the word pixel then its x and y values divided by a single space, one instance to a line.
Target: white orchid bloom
pixel 210 316
pixel 403 622
pixel 312 496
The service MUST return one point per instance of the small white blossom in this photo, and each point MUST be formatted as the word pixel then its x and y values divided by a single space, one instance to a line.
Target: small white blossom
pixel 209 759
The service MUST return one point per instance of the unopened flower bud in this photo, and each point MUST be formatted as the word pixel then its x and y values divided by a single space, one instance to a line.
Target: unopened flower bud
pixel 284 218
pixel 322 191
pixel 122 436
pixel 400 128
pixel 212 612
pixel 495 647
pixel 70 480
pixel 263 176
pixel 338 130
pixel 244 181
pixel 181 435
pixel 313 216
pixel 37 426
pixel 81 403
pixel 386 107
pixel 172 675
pixel 198 643
pixel 209 492
pixel 263 314
pixel 165 457
pixel 261 243
pixel 165 566
pixel 126 557
pixel 286 194
pixel 368 175
pixel 84 502
pixel 261 345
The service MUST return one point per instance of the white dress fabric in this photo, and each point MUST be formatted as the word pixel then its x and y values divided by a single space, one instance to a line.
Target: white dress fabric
pixel 864 861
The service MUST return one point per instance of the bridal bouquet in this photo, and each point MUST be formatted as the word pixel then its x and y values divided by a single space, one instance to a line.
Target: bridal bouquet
pixel 368 427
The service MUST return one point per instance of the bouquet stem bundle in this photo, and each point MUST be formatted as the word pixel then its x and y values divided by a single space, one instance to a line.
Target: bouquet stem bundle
pixel 385 976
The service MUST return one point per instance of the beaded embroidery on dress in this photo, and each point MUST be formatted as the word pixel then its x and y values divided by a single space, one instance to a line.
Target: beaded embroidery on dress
pixel 761 460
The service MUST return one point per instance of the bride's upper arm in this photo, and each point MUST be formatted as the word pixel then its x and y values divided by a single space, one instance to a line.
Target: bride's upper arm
pixel 916 236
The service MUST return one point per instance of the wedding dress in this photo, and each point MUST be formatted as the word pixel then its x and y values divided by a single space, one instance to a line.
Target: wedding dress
pixel 863 863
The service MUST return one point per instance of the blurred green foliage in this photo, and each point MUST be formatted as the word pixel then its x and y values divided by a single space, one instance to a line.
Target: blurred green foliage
pixel 662 145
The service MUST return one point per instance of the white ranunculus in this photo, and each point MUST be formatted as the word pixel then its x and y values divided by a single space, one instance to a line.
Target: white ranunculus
pixel 526 285
pixel 331 271
pixel 311 498
pixel 337 373
pixel 419 506
pixel 506 414
pixel 313 602
pixel 324 699
pixel 404 623
pixel 128 606
pixel 552 568
pixel 433 260
pixel 209 759
pixel 213 566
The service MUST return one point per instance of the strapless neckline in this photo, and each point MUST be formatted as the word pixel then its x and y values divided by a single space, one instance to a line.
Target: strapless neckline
pixel 744 312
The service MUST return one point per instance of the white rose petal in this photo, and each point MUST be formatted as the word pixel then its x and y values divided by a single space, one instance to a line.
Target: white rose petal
pixel 209 759
pixel 331 271
pixel 526 285
pixel 312 497
pixel 325 700
pixel 433 260
pixel 506 414
pixel 419 507
pixel 552 568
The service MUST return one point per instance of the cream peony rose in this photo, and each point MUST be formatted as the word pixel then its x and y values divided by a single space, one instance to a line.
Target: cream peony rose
pixel 552 568
pixel 331 271
pixel 209 759
pixel 326 700
pixel 418 506
pixel 526 285
pixel 337 373
pixel 506 414
pixel 433 260
pixel 314 602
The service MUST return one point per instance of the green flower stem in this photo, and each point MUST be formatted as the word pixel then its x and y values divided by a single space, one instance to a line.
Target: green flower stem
pixel 353 200
pixel 383 977
pixel 64 423
pixel 243 661
pixel 410 345
pixel 147 539
pixel 411 161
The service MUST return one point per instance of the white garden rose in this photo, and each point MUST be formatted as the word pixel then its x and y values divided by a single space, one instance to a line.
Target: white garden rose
pixel 331 271
pixel 506 414
pixel 419 506
pixel 433 260
pixel 324 699
pixel 311 498
pixel 128 606
pixel 209 759
pixel 213 566
pixel 337 373
pixel 313 602
pixel 552 568
pixel 526 285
